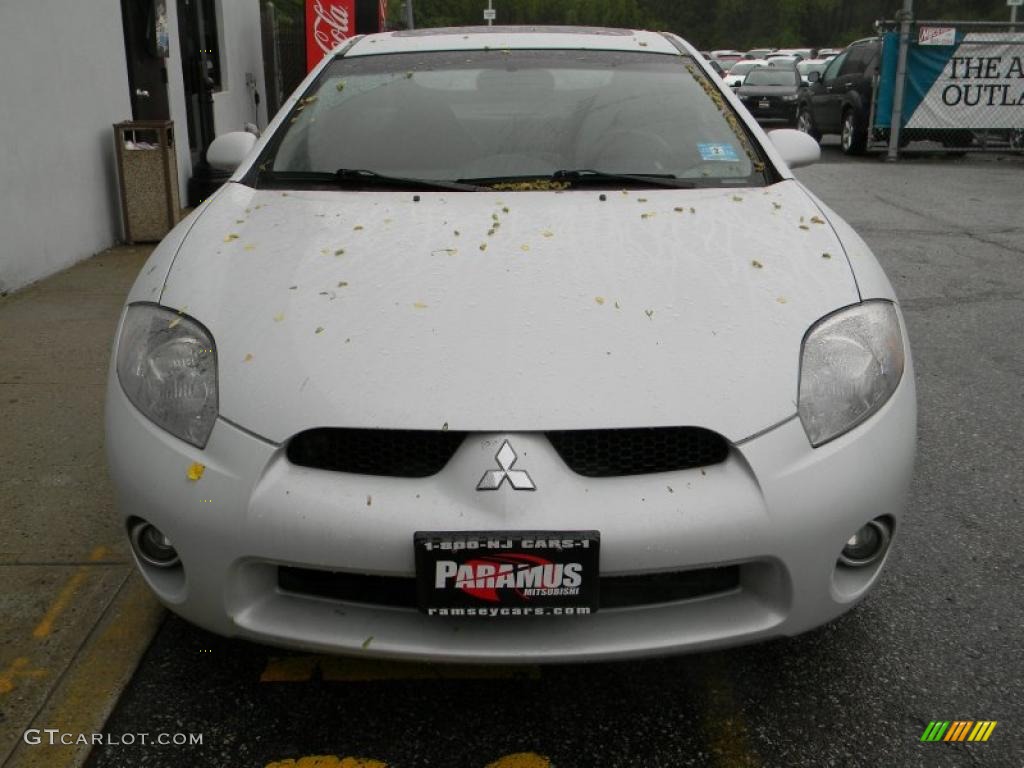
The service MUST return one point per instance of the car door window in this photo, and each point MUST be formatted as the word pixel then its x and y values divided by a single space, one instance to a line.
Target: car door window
pixel 833 68
pixel 857 60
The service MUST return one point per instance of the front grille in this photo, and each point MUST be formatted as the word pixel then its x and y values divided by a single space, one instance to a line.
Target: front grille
pixel 616 591
pixel 588 452
pixel 617 452
pixel 390 452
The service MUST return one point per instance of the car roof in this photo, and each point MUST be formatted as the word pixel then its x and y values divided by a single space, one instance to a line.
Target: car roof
pixel 511 37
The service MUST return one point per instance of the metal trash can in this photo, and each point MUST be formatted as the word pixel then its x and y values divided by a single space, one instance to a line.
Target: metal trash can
pixel 147 171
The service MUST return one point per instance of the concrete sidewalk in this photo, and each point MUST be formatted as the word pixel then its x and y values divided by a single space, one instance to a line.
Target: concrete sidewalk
pixel 74 619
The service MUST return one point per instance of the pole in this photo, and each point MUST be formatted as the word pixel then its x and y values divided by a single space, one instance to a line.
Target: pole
pixel 409 21
pixel 895 124
pixel 1013 15
pixel 490 7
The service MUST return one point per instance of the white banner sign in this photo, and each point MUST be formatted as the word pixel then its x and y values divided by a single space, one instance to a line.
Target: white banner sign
pixel 981 85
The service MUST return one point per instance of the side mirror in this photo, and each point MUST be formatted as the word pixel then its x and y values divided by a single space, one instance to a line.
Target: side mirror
pixel 796 147
pixel 814 77
pixel 228 150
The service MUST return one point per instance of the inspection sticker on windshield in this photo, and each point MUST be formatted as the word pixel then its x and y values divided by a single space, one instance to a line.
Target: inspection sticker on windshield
pixel 725 153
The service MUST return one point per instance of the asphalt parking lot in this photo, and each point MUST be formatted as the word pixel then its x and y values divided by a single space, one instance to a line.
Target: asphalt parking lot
pixel 941 638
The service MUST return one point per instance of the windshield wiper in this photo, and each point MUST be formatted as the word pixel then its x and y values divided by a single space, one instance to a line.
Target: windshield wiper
pixel 360 177
pixel 590 176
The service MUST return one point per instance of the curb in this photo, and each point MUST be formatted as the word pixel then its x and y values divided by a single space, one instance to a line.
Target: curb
pixel 94 680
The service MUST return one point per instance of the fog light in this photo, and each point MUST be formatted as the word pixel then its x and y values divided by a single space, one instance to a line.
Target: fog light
pixel 152 546
pixel 866 545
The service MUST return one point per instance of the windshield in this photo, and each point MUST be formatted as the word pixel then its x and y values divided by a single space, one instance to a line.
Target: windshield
pixel 513 114
pixel 744 67
pixel 772 77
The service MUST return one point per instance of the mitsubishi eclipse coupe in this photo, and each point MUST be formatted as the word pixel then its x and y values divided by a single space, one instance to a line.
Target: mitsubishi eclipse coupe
pixel 511 345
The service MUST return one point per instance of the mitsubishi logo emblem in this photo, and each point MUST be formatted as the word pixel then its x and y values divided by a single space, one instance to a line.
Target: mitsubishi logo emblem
pixel 517 478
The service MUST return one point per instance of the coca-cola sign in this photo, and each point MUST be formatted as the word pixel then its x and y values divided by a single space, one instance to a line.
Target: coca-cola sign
pixel 328 24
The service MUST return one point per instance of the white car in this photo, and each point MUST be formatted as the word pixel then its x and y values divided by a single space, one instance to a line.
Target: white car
pixel 807 66
pixel 783 60
pixel 738 73
pixel 799 53
pixel 511 345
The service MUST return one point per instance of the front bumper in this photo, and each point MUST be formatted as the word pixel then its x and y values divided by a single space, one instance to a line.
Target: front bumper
pixel 775 112
pixel 775 507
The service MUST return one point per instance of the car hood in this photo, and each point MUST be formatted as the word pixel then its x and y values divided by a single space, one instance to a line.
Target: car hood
pixel 509 311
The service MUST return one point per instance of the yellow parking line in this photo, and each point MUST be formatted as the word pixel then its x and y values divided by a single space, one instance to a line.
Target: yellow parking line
pixel 723 724
pixel 64 597
pixel 289 669
pixel 521 760
pixel 18 668
pixel 300 669
pixel 327 761
pixel 517 760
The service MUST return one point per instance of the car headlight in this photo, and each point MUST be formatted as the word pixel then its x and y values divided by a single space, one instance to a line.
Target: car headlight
pixel 168 369
pixel 790 97
pixel 851 363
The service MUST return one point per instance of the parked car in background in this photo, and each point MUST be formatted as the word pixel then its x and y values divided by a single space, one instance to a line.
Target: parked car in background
pixel 740 70
pixel 803 53
pixel 728 61
pixel 772 94
pixel 783 60
pixel 838 101
pixel 807 66
pixel 717 67
pixel 726 57
pixel 758 53
pixel 826 53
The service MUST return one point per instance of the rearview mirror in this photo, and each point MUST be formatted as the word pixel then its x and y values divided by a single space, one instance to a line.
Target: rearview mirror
pixel 796 147
pixel 228 150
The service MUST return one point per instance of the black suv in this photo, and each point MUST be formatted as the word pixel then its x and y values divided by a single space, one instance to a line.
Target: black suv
pixel 839 100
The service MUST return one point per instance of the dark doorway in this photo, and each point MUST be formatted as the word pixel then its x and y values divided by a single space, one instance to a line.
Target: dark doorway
pixel 145 49
pixel 200 68
pixel 200 65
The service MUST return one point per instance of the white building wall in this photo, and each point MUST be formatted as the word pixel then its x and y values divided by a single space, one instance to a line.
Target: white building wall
pixel 176 102
pixel 63 83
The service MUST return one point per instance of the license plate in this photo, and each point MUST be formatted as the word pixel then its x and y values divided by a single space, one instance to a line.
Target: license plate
pixel 764 104
pixel 507 573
